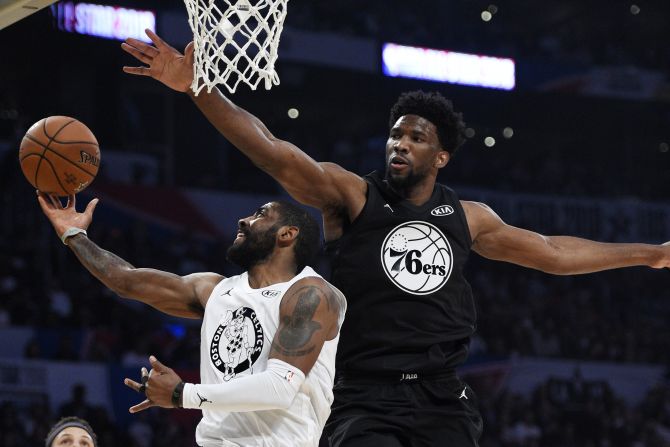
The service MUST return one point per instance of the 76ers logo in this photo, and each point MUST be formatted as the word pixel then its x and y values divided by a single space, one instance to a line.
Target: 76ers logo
pixel 417 257
pixel 237 342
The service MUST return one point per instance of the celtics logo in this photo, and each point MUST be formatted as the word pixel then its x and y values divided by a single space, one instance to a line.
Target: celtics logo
pixel 237 342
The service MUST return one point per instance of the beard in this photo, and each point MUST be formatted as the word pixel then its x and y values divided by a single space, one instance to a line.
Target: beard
pixel 400 183
pixel 254 249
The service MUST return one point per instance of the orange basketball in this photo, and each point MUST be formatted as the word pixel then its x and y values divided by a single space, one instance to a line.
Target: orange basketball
pixel 59 155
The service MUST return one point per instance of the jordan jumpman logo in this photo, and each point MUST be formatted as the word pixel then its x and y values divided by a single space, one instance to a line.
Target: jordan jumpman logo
pixel 203 400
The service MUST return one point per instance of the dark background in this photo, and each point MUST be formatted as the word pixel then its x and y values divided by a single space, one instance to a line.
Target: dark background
pixel 566 144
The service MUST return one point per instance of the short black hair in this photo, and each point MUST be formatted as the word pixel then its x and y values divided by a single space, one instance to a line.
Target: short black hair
pixel 438 110
pixel 308 242
pixel 70 421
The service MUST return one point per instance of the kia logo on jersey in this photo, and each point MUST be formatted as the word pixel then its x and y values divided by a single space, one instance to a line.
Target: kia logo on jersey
pixel 442 210
pixel 417 257
pixel 270 293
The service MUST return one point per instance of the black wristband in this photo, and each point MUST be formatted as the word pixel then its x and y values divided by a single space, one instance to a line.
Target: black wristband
pixel 176 395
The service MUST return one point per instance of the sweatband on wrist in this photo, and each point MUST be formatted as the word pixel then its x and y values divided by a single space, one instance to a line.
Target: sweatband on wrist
pixel 176 394
pixel 71 232
pixel 274 388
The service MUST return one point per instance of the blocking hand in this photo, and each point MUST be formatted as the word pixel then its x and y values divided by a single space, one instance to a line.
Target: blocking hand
pixel 165 64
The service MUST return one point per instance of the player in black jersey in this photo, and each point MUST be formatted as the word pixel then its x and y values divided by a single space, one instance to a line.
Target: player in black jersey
pixel 398 244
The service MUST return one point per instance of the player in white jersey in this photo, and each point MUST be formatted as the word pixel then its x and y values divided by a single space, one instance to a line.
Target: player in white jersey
pixel 268 336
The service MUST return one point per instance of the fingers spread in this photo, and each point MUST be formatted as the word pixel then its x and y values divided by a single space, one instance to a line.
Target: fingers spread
pixel 46 206
pixel 141 406
pixel 143 47
pixel 56 202
pixel 132 384
pixel 71 201
pixel 155 39
pixel 142 71
pixel 91 206
pixel 142 56
pixel 158 366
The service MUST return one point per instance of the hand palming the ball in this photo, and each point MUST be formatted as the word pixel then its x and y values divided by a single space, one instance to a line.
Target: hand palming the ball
pixel 65 217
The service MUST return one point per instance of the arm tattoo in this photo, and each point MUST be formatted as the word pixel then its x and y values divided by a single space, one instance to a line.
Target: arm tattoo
pixel 101 263
pixel 296 330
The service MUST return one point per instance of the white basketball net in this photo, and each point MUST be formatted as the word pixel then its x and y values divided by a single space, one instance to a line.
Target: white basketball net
pixel 235 41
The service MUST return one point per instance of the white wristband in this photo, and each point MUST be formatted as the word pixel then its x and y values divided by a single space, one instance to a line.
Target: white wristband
pixel 71 232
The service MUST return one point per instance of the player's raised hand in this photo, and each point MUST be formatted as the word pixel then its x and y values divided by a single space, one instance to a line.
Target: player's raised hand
pixel 64 217
pixel 163 62
pixel 158 386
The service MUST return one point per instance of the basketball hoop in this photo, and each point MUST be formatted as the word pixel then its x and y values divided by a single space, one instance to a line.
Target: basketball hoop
pixel 235 41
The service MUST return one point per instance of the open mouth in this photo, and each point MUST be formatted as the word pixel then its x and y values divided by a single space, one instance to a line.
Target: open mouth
pixel 397 162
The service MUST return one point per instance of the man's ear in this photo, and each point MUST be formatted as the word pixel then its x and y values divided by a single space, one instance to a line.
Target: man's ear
pixel 441 159
pixel 286 235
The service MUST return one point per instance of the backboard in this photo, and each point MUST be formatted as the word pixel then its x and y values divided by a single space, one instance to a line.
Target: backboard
pixel 14 10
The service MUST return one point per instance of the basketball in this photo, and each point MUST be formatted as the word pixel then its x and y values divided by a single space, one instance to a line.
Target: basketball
pixel 59 155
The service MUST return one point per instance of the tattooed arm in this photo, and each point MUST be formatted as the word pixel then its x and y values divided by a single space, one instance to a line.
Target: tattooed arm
pixel 311 313
pixel 181 296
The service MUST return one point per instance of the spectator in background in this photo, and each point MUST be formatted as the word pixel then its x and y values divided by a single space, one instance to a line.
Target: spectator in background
pixel 78 405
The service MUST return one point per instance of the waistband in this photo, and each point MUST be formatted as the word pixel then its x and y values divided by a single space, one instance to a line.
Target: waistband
pixel 385 377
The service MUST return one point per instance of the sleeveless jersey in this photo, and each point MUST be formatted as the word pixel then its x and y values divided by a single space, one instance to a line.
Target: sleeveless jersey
pixel 400 266
pixel 237 331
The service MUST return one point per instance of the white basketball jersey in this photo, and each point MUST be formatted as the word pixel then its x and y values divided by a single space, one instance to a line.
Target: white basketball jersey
pixel 237 331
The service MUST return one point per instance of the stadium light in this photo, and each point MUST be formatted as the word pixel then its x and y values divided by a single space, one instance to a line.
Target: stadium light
pixel 448 66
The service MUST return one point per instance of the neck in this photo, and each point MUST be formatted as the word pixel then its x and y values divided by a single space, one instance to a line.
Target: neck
pixel 416 194
pixel 271 271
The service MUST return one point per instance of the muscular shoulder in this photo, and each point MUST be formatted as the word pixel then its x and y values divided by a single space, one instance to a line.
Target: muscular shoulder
pixel 481 218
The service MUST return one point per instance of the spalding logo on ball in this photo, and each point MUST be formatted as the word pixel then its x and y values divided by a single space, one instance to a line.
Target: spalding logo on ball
pixel 59 155
pixel 417 257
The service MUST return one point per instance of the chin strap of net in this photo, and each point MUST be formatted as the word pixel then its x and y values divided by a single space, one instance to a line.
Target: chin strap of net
pixel 235 41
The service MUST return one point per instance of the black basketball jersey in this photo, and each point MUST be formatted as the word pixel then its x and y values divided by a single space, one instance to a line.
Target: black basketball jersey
pixel 400 266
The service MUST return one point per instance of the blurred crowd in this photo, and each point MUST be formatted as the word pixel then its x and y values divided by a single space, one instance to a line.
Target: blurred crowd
pixel 576 413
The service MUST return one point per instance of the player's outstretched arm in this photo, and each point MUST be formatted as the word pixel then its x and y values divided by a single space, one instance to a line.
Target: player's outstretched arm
pixel 311 313
pixel 182 296
pixel 560 255
pixel 321 185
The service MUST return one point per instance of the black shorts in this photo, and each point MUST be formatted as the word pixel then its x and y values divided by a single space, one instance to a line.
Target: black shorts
pixel 421 412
